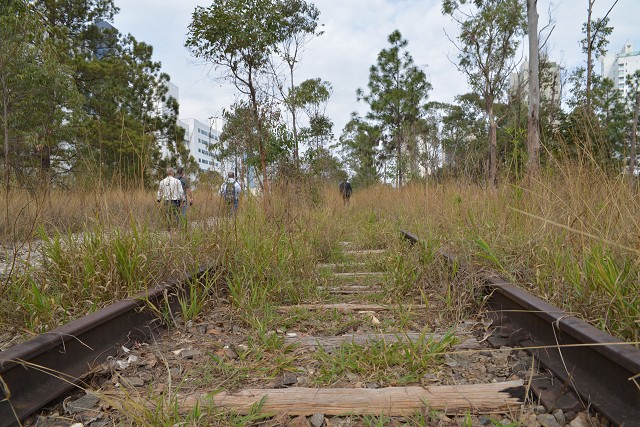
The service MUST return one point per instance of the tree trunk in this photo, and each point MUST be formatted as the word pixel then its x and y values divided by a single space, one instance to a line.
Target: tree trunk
pixel 533 122
pixel 493 151
pixel 632 148
pixel 399 163
pixel 589 55
pixel 7 168
pixel 296 152
pixel 263 155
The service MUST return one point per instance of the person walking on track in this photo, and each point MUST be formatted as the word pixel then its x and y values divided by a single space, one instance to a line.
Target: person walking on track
pixel 170 193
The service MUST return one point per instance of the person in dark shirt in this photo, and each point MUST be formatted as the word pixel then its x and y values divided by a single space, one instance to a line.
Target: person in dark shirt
pixel 345 191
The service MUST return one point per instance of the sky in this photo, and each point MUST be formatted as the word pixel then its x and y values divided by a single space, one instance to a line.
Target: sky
pixel 355 31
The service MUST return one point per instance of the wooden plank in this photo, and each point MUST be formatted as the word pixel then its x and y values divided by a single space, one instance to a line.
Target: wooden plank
pixel 366 252
pixel 343 291
pixel 340 266
pixel 390 401
pixel 359 274
pixel 347 307
pixel 329 343
pixel 351 289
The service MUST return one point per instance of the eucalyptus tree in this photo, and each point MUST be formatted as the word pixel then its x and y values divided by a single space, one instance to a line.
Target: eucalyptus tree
pixel 238 38
pixel 240 138
pixel 633 82
pixel 489 39
pixel 303 27
pixel 594 44
pixel 533 119
pixel 463 128
pixel 397 95
pixel 312 96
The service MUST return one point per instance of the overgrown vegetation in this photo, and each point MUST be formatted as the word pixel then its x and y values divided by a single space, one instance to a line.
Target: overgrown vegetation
pixel 570 237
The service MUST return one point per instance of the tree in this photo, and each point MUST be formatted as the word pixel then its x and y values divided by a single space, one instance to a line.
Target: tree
pixel 37 96
pixel 239 37
pixel 533 120
pixel 594 44
pixel 359 142
pixel 114 133
pixel 398 91
pixel 489 34
pixel 633 82
pixel 303 23
pixel 312 96
pixel 463 128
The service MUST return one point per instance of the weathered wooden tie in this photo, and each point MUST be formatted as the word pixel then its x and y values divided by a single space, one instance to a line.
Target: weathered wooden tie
pixel 347 307
pixel 359 274
pixel 360 252
pixel 352 290
pixel 390 401
pixel 328 343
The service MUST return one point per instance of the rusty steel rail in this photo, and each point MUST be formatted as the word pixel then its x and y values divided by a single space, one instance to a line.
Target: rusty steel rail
pixel 600 369
pixel 38 371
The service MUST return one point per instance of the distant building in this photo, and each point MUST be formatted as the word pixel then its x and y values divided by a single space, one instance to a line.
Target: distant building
pixel 550 86
pixel 620 65
pixel 201 139
pixel 107 40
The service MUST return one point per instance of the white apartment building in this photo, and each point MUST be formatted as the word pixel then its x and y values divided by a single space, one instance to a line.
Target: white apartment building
pixel 620 65
pixel 550 86
pixel 201 140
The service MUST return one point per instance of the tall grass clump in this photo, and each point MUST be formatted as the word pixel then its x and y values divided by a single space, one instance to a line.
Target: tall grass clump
pixel 570 236
pixel 86 251
pixel 268 257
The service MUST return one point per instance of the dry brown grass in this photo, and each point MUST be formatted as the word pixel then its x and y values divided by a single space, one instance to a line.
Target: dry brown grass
pixel 571 236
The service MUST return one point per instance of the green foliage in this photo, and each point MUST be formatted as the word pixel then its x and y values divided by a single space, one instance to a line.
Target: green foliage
pixel 239 39
pixel 489 33
pixel 80 99
pixel 359 142
pixel 400 362
pixel 463 136
pixel 397 92
pixel 605 274
pixel 194 298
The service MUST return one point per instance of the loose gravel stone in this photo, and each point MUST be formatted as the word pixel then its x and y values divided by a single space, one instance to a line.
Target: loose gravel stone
pixel 540 410
pixel 548 420
pixel 316 420
pixel 581 420
pixel 559 415
pixel 85 403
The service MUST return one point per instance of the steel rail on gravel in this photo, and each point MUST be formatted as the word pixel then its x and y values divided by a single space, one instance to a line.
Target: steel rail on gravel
pixel 601 369
pixel 38 371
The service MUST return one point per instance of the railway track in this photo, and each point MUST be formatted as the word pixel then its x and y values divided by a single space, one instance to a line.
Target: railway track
pixel 591 369
pixel 36 372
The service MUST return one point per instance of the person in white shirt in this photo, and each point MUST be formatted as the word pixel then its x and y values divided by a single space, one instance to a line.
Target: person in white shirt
pixel 170 193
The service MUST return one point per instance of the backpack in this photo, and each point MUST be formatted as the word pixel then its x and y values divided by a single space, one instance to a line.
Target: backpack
pixel 230 191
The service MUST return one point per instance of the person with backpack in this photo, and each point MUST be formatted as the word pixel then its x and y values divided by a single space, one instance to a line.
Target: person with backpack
pixel 345 191
pixel 188 194
pixel 230 192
